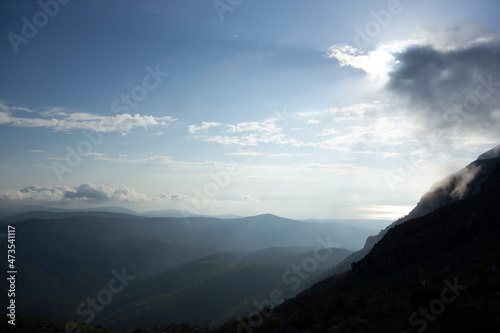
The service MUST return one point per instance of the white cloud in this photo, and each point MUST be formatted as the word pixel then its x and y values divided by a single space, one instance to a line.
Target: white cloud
pixel 377 63
pixel 59 120
pixel 36 151
pixel 35 193
pixel 382 133
pixel 204 126
pixel 328 131
pixel 246 153
pixel 248 198
pixel 54 112
pixel 358 112
pixel 155 160
pixel 313 121
pixel 158 159
pixel 251 134
pixel 267 126
pixel 4 107
pixel 252 140
pixel 288 155
pixel 175 197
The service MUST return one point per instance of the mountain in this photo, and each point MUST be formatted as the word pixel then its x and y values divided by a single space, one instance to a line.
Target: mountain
pixel 463 184
pixel 9 209
pixel 167 213
pixel 47 215
pixel 183 214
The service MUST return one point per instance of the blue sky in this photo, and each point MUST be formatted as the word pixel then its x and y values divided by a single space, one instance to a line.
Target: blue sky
pixel 321 109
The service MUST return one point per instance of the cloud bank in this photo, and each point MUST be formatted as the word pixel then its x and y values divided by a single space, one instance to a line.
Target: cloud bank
pixel 451 88
pixel 59 120
pixel 447 81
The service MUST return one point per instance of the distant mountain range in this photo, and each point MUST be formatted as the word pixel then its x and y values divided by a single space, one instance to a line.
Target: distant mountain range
pixel 9 209
pixel 66 256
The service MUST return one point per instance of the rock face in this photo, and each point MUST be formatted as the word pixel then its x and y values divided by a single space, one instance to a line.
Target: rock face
pixel 467 182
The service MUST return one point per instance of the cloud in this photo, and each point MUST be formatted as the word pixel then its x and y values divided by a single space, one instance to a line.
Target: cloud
pixel 251 134
pixel 175 197
pixel 37 151
pixel 328 131
pixel 376 127
pixel 54 112
pixel 4 107
pixel 455 36
pixel 35 193
pixel 156 160
pixel 246 153
pixel 204 126
pixel 87 192
pixel 90 191
pixel 267 126
pixel 313 121
pixel 376 63
pixel 252 140
pixel 248 198
pixel 59 120
pixel 358 112
pixel 378 136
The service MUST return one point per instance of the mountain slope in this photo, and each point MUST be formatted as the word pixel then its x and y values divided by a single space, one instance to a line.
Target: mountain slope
pixel 211 290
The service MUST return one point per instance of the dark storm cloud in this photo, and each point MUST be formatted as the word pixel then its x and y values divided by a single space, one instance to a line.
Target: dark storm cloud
pixel 451 88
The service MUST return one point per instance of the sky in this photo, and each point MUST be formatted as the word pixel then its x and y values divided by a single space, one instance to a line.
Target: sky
pixel 303 109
